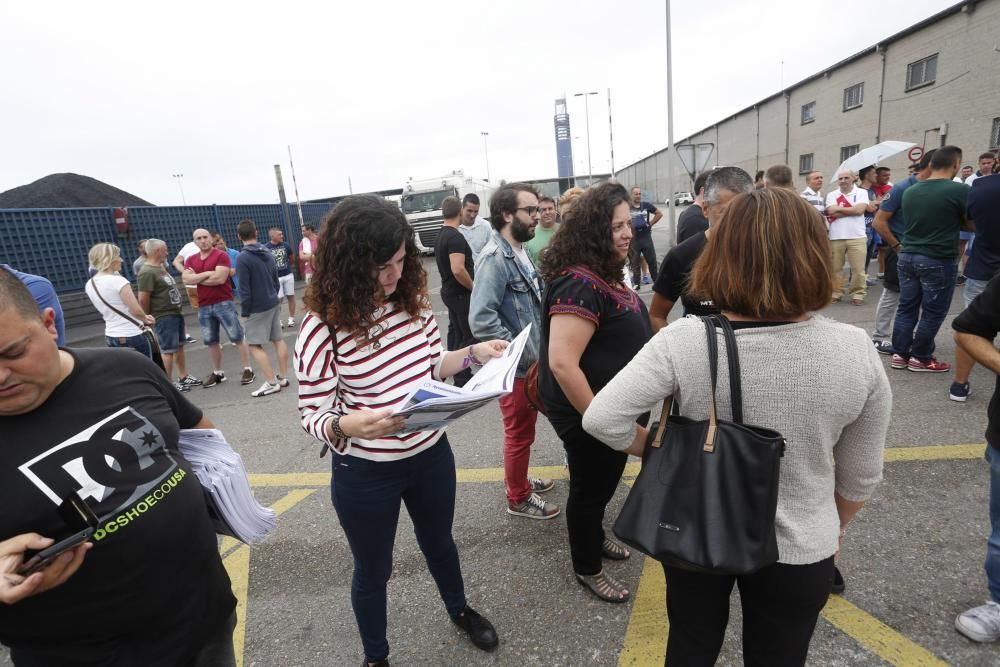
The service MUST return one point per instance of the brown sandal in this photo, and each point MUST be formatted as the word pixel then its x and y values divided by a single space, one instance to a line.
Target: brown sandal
pixel 614 550
pixel 604 586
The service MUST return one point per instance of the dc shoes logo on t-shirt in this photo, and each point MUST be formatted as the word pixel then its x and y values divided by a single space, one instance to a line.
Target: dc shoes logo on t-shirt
pixel 112 463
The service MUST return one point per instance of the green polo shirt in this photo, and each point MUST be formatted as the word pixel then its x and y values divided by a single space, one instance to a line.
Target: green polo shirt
pixel 933 211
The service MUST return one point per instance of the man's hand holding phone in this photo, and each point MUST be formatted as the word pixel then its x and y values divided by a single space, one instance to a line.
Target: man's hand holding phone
pixel 60 566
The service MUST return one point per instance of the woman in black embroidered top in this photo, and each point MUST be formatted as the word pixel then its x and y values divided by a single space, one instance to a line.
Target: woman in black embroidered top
pixel 594 324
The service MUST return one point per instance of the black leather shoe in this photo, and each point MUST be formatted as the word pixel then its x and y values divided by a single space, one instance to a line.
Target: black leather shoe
pixel 838 582
pixel 380 663
pixel 480 631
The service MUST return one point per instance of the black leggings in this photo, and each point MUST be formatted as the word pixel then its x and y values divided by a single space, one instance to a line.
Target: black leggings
pixel 780 607
pixel 594 472
pixel 643 245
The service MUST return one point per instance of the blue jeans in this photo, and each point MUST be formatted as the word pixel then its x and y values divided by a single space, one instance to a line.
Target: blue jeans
pixel 926 285
pixel 367 495
pixel 993 543
pixel 973 288
pixel 137 343
pixel 224 313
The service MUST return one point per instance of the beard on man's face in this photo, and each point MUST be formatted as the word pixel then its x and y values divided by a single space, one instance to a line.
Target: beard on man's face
pixel 521 232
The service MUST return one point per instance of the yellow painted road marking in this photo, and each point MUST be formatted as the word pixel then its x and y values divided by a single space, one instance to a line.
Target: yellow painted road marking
pixel 876 636
pixel 892 455
pixel 237 562
pixel 934 453
pixel 238 566
pixel 646 634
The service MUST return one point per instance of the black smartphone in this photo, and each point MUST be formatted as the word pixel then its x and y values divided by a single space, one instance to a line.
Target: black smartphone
pixel 42 559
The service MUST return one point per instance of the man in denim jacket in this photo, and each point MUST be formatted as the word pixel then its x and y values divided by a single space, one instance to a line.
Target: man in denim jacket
pixel 506 297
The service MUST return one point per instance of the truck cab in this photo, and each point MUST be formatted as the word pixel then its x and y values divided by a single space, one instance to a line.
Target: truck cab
pixel 421 203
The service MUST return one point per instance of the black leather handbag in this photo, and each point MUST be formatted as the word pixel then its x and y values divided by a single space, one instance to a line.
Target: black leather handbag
pixel 707 493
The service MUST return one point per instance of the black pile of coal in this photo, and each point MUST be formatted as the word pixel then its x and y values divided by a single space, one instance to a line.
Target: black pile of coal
pixel 67 191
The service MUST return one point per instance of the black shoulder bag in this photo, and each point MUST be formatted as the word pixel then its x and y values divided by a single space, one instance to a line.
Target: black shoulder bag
pixel 707 493
pixel 154 346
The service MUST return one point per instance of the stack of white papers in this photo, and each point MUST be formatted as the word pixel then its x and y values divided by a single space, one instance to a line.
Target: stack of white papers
pixel 432 405
pixel 230 500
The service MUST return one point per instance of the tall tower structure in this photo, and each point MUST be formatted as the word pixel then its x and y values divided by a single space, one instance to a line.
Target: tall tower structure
pixel 564 146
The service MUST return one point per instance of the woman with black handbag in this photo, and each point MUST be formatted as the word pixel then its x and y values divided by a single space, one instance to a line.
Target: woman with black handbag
pixel 815 384
pixel 593 325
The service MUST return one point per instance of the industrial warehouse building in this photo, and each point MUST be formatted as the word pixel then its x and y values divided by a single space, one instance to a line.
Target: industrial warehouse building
pixel 934 83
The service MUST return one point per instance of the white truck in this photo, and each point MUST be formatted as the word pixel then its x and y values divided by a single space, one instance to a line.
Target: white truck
pixel 422 199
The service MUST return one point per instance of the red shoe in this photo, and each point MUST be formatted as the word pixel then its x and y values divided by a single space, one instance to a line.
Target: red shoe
pixel 932 366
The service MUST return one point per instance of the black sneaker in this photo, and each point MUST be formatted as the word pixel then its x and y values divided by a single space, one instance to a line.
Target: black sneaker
pixel 479 630
pixel 960 281
pixel 883 346
pixel 190 381
pixel 181 387
pixel 248 376
pixel 215 378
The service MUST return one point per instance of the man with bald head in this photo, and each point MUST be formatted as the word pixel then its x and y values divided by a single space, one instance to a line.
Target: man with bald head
pixel 845 209
pixel 209 270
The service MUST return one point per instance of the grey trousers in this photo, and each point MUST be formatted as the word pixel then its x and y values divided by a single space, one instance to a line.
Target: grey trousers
pixel 885 313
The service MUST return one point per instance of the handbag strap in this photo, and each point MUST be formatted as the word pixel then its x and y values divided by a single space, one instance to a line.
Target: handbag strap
pixel 97 291
pixel 735 379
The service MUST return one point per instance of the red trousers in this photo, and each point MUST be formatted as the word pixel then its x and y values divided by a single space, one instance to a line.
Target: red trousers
pixel 518 434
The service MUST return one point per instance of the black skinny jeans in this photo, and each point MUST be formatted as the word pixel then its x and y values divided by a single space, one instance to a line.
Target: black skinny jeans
pixel 780 606
pixel 594 472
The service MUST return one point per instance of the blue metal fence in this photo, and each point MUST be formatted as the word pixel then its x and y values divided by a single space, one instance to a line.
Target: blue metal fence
pixel 54 242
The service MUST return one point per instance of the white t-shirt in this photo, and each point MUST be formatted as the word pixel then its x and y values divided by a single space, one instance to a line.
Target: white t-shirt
pixel 306 246
pixel 521 255
pixel 851 227
pixel 477 235
pixel 189 249
pixel 110 288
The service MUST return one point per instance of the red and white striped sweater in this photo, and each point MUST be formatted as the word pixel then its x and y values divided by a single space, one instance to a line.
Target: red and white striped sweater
pixel 379 375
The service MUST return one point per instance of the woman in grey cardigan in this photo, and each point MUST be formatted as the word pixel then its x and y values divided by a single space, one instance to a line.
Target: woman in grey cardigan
pixel 818 382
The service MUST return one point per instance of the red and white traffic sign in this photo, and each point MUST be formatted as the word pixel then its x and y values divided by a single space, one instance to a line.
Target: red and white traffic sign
pixel 915 153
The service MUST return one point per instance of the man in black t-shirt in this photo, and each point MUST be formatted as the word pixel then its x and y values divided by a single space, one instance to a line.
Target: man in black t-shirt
pixel 975 330
pixel 454 262
pixel 644 216
pixel 721 186
pixel 102 424
pixel 693 219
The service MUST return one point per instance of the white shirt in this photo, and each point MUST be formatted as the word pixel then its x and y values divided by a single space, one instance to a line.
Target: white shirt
pixel 853 226
pixel 476 235
pixel 110 288
pixel 189 249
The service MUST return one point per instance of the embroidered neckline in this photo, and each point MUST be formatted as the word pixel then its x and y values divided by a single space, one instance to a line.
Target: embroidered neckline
pixel 622 296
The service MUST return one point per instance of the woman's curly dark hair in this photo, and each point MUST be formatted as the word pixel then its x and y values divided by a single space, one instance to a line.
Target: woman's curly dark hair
pixel 584 237
pixel 361 234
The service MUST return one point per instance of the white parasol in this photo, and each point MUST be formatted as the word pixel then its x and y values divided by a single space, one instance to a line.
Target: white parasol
pixel 875 154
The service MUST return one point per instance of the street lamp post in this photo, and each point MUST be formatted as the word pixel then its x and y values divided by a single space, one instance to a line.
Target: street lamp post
pixel 586 111
pixel 181 186
pixel 486 151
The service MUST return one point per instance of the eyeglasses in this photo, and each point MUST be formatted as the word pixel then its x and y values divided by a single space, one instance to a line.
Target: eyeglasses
pixel 530 210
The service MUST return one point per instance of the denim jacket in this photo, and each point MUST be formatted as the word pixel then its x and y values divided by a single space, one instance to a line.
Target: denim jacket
pixel 505 300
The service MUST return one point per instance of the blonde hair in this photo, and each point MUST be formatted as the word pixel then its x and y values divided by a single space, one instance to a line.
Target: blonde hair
pixel 103 255
pixel 569 198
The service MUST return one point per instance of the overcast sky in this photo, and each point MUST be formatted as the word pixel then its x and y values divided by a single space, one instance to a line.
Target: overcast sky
pixel 131 93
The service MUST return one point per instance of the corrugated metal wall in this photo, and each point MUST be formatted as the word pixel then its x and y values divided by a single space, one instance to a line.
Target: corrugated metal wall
pixel 54 242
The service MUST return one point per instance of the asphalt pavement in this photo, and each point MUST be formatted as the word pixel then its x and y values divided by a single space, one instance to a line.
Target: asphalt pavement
pixel 912 559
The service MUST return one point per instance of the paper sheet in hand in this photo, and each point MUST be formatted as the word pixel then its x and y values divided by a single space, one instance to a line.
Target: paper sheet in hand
pixel 227 489
pixel 432 404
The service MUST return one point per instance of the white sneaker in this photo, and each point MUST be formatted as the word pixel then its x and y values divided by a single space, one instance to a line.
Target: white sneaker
pixel 981 624
pixel 291 322
pixel 266 389
pixel 282 381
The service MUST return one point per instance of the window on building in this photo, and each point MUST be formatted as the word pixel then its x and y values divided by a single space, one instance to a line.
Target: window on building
pixel 995 134
pixel 805 163
pixel 808 112
pixel 854 96
pixel 921 73
pixel 848 151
